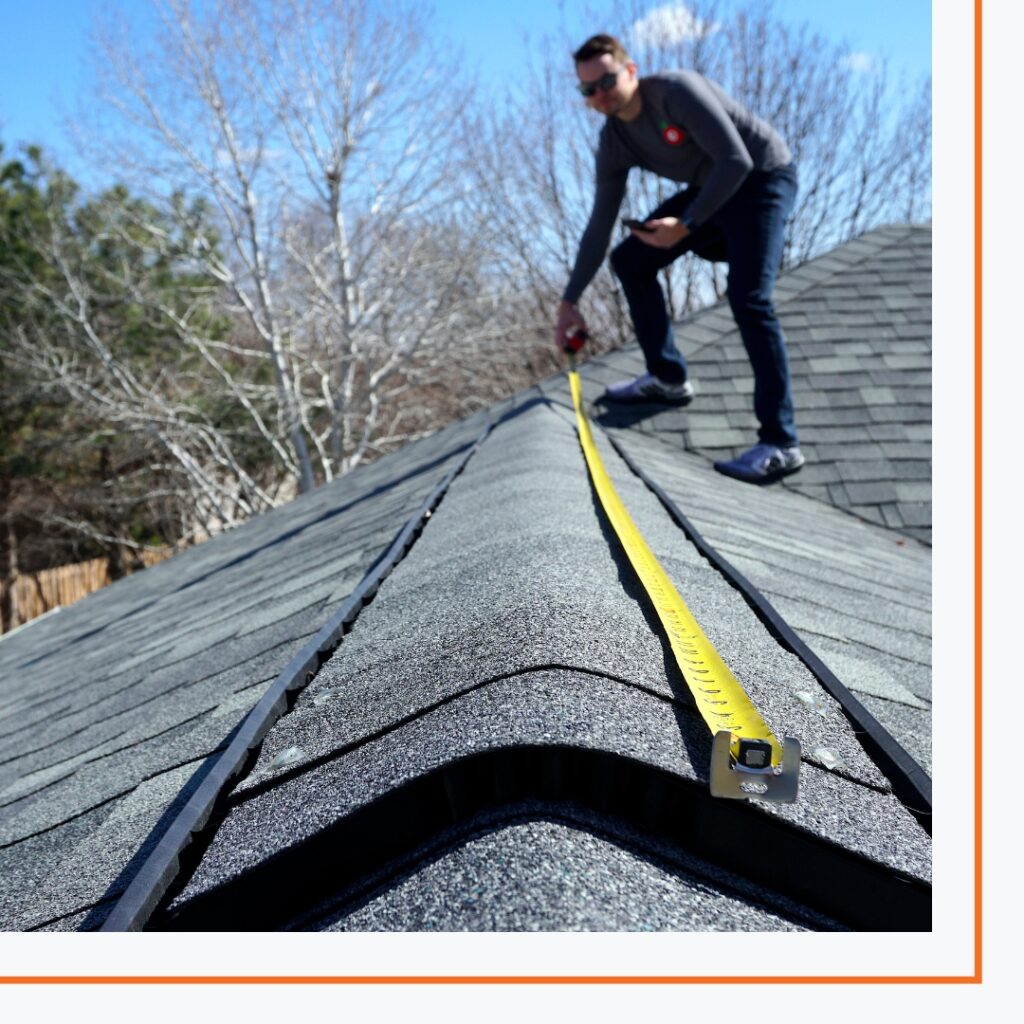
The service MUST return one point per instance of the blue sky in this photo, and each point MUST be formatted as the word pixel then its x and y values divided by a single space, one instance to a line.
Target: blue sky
pixel 45 61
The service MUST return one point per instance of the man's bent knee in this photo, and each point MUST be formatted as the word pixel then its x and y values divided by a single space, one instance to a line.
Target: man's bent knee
pixel 619 259
pixel 627 260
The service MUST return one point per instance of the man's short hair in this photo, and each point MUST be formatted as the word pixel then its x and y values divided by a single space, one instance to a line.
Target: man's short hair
pixel 597 45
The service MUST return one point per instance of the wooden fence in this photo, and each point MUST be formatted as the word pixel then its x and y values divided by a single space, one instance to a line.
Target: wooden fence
pixel 33 594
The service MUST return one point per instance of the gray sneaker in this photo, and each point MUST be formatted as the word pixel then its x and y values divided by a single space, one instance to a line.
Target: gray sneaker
pixel 648 388
pixel 762 464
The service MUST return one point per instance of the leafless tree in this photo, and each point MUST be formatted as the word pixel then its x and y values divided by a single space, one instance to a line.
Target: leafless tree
pixel 303 123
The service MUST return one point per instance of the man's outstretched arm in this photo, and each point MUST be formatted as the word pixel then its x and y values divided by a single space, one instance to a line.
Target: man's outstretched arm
pixel 593 246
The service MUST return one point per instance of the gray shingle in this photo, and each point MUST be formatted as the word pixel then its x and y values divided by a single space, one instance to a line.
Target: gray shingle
pixel 873 493
pixel 915 513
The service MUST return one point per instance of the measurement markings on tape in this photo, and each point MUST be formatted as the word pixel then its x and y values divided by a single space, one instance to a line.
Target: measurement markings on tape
pixel 746 758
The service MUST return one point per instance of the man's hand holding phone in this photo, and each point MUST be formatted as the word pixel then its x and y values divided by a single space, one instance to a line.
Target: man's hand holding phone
pixel 661 232
pixel 636 225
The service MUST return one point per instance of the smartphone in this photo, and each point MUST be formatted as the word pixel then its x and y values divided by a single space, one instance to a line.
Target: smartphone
pixel 639 225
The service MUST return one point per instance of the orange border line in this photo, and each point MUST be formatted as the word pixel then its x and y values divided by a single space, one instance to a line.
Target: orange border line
pixel 974 978
pixel 977 492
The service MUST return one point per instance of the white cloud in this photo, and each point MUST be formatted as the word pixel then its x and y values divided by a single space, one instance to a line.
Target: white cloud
pixel 860 62
pixel 668 25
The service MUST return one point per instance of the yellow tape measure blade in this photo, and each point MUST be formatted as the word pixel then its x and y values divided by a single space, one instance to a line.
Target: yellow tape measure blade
pixel 721 700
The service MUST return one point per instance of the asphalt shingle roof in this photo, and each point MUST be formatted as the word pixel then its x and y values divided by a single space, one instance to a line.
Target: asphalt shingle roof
pixel 109 707
pixel 506 698
pixel 518 625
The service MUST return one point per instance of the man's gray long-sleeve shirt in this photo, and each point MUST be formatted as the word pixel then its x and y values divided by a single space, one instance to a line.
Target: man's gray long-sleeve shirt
pixel 717 143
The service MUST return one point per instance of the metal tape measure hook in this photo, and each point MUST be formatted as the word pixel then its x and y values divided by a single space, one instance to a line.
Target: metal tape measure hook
pixel 745 778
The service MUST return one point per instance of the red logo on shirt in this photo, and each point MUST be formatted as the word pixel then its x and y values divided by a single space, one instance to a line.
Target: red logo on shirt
pixel 671 134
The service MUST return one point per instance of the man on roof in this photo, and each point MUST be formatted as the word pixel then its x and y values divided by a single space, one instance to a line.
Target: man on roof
pixel 741 186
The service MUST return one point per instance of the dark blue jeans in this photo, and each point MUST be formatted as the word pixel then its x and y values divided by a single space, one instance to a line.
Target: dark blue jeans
pixel 747 233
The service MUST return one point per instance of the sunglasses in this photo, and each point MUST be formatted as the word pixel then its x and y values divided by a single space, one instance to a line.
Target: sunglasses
pixel 604 83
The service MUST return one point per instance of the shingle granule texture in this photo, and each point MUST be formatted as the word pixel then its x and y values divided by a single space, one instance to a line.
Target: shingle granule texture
pixel 543 872
pixel 513 624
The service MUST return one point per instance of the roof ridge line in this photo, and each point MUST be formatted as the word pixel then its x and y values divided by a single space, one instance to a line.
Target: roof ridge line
pixel 158 872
